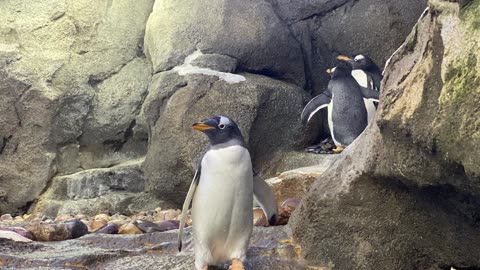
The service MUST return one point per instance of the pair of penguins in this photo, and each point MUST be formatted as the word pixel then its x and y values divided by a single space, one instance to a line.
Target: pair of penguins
pixel 224 185
pixel 353 89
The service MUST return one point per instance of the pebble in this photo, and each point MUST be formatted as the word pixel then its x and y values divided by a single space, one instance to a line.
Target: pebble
pixel 49 231
pixel 19 230
pixel 13 236
pixel 6 217
pixel 96 224
pixel 259 218
pixel 168 225
pixel 103 217
pixel 110 228
pixel 129 228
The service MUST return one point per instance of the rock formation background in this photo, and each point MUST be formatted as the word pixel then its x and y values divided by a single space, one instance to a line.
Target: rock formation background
pixel 95 117
pixel 98 98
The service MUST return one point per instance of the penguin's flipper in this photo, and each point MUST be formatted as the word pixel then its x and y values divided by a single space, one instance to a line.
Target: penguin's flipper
pixel 186 204
pixel 264 196
pixel 316 104
pixel 370 93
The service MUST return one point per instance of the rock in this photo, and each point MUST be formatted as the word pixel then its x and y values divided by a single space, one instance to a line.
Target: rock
pixel 52 68
pixel 97 224
pixel 13 236
pixel 116 189
pixel 218 62
pixel 6 217
pixel 18 230
pixel 270 249
pixel 129 228
pixel 296 183
pixel 175 102
pixel 148 226
pixel 103 216
pixel 403 195
pixel 110 228
pixel 259 218
pixel 58 231
pixel 256 37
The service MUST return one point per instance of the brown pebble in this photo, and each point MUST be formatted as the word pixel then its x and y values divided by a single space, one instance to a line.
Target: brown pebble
pixel 6 217
pixel 103 216
pixel 259 218
pixel 96 224
pixel 129 228
pixel 44 231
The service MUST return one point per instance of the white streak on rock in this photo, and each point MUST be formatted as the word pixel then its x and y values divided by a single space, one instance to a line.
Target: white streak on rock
pixel 188 68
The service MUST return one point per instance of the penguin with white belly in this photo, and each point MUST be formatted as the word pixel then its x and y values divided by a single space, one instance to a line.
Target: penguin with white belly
pixel 221 195
pixel 347 115
pixel 368 75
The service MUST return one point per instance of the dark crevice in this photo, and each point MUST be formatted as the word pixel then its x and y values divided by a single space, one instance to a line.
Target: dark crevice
pixel 325 12
pixel 5 141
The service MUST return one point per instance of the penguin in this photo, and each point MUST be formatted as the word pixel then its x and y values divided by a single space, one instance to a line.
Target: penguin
pixel 368 75
pixel 347 115
pixel 221 196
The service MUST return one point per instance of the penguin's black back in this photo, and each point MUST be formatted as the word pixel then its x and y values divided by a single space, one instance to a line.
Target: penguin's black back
pixel 349 115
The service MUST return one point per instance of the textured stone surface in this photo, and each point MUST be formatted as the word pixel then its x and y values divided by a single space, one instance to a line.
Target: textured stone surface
pixel 269 249
pixel 61 63
pixel 295 183
pixel 405 194
pixel 248 31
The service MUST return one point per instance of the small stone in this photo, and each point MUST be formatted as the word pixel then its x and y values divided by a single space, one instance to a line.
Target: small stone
pixel 168 225
pixel 19 230
pixel 103 217
pixel 147 226
pixel 290 204
pixel 259 218
pixel 6 217
pixel 96 224
pixel 13 236
pixel 110 228
pixel 58 231
pixel 119 222
pixel 129 228
pixel 170 214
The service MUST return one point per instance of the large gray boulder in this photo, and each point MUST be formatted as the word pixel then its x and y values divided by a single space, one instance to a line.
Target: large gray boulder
pixel 72 77
pixel 406 195
pixel 266 110
pixel 248 31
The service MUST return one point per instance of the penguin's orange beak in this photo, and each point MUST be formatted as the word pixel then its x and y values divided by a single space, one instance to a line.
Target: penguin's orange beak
pixel 201 126
pixel 344 58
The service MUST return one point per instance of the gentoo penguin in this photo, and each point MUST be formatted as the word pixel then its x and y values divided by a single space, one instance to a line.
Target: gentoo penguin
pixel 347 116
pixel 222 194
pixel 368 75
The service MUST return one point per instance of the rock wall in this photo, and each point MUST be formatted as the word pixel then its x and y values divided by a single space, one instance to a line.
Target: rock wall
pixel 96 89
pixel 405 195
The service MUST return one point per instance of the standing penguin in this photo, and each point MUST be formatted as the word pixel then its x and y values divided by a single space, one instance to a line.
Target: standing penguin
pixel 368 75
pixel 222 194
pixel 347 116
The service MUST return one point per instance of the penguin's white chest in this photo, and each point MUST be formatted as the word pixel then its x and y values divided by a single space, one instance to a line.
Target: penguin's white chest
pixel 222 205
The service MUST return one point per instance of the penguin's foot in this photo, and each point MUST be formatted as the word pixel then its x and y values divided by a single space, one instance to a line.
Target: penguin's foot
pixel 338 149
pixel 236 265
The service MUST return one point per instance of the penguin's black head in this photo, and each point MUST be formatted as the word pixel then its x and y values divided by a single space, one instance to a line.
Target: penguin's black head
pixel 340 71
pixel 359 62
pixel 219 129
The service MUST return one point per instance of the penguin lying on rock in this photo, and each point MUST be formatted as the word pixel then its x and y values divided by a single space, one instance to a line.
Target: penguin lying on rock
pixel 221 194
pixel 347 115
pixel 368 75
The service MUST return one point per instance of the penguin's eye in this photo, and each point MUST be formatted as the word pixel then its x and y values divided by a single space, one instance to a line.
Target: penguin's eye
pixel 221 126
